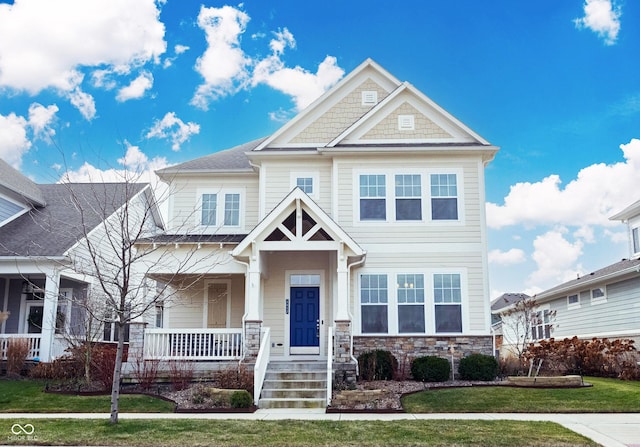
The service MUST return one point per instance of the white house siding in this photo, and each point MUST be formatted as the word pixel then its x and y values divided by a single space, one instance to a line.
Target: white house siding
pixel 187 309
pixel 184 211
pixel 618 315
pixel 275 289
pixel 277 180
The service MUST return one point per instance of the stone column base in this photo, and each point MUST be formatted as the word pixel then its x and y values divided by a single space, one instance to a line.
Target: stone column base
pixel 251 340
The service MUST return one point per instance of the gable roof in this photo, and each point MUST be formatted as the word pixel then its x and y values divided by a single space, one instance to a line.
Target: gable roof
pixel 280 211
pixel 15 184
pixel 617 271
pixel 506 300
pixel 228 160
pixel 52 229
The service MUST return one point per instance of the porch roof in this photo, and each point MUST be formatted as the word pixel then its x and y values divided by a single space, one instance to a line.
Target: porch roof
pixel 193 239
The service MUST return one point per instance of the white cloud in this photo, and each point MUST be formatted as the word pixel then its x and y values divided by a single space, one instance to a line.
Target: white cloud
pixel 137 88
pixel 39 43
pixel 617 237
pixel 179 49
pixel 555 258
pixel 590 199
pixel 601 17
pixel 41 118
pixel 13 139
pixel 509 257
pixel 173 128
pixel 223 65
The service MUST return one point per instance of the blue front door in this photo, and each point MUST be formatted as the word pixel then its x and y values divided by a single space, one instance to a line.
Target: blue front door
pixel 304 325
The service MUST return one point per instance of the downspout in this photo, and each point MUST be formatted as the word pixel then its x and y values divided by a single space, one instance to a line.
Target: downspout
pixel 349 266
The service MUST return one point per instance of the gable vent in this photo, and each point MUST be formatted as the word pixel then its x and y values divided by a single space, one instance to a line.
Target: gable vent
pixel 406 122
pixel 369 98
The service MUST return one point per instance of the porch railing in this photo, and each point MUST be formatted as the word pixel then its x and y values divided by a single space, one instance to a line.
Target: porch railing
pixel 193 344
pixel 329 365
pixel 33 339
pixel 262 360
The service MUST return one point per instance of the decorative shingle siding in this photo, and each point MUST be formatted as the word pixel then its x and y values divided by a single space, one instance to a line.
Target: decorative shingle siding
pixel 333 122
pixel 424 128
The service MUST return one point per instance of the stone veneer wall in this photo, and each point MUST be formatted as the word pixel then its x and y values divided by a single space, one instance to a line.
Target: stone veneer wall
pixel 407 348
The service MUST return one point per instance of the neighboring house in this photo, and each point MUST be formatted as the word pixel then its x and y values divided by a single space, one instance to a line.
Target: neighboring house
pixel 503 343
pixel 602 304
pixel 358 225
pixel 41 230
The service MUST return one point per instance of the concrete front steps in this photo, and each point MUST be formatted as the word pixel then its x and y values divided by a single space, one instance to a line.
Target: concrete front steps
pixel 294 385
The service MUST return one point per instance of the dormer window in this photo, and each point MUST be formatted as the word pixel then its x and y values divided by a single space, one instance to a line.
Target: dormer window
pixel 369 98
pixel 406 122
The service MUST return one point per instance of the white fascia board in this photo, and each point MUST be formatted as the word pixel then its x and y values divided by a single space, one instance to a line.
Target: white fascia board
pixel 627 213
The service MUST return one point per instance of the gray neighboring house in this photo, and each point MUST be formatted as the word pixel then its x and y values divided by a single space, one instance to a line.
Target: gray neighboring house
pixel 40 227
pixel 604 303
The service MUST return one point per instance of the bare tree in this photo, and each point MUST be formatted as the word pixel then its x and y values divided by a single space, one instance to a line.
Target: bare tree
pixel 523 323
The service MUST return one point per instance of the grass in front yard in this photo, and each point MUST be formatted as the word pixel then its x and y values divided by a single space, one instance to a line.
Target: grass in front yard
pixel 187 433
pixel 605 396
pixel 28 396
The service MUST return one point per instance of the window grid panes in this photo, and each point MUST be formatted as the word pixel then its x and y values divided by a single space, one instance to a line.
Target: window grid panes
pixel 305 184
pixel 573 299
pixel 541 325
pixel 410 288
pixel 444 197
pixel 373 289
pixel 232 209
pixel 597 293
pixel 373 197
pixel 408 189
pixel 446 288
pixel 209 204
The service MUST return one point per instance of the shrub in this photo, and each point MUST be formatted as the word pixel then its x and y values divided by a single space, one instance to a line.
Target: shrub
pixel 145 372
pixel 236 377
pixel 63 368
pixel 17 353
pixel 430 369
pixel 377 365
pixel 180 374
pixel 103 362
pixel 478 367
pixel 241 399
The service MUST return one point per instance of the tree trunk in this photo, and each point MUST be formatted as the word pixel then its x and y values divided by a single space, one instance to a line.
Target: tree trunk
pixel 117 372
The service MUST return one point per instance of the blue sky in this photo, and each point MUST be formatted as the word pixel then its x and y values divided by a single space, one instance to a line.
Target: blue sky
pixel 90 87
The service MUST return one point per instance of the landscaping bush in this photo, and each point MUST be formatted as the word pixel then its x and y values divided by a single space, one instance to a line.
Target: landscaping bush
pixel 236 377
pixel 63 368
pixel 17 353
pixel 180 374
pixel 241 399
pixel 478 367
pixel 103 362
pixel 145 371
pixel 430 369
pixel 377 365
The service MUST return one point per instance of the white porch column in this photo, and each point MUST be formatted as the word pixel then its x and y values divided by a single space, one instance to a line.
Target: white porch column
pixel 49 310
pixel 253 288
pixel 342 304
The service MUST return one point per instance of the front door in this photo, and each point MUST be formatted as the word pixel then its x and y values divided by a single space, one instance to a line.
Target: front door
pixel 304 327
pixel 34 318
pixel 218 305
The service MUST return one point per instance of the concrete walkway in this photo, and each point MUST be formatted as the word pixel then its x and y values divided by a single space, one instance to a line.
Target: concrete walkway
pixel 608 430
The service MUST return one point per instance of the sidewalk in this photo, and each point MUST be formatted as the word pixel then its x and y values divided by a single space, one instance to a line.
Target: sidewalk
pixel 608 429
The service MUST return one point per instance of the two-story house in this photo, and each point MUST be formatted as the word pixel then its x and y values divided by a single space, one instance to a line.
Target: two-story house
pixel 42 230
pixel 358 225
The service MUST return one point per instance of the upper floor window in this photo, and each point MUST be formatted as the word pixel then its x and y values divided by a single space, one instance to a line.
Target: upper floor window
pixel 408 197
pixel 598 295
pixel 541 325
pixel 573 300
pixel 221 209
pixel 636 239
pixel 373 192
pixel 305 184
pixel 444 197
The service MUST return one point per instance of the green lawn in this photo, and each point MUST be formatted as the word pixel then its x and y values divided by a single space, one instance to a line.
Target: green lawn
pixel 188 433
pixel 606 395
pixel 27 396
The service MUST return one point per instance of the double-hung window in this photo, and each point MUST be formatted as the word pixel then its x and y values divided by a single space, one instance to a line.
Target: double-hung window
pixel 447 297
pixel 410 303
pixel 541 325
pixel 374 299
pixel 444 197
pixel 408 191
pixel 373 193
pixel 220 209
pixel 635 235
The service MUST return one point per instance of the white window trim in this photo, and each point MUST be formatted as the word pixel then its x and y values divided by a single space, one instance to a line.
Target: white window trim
pixel 220 211
pixel 315 178
pixel 633 242
pixel 542 308
pixel 65 298
pixel 575 305
pixel 429 302
pixel 599 299
pixel 390 197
